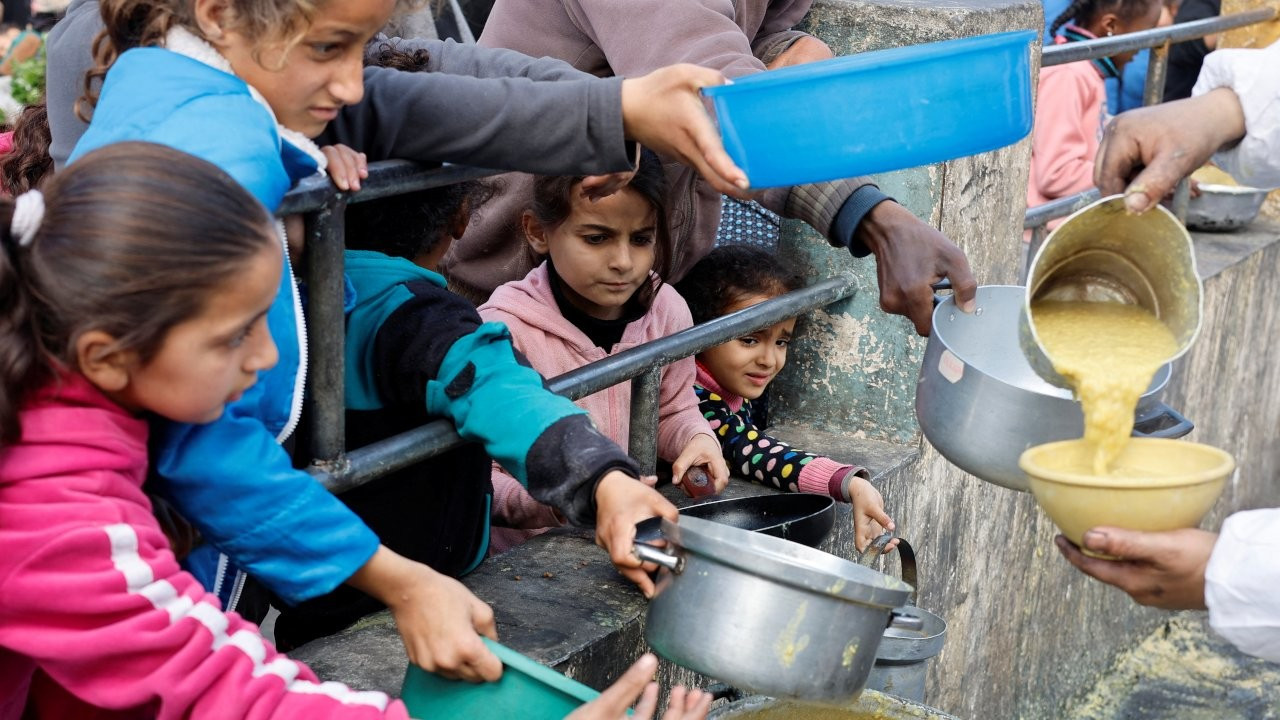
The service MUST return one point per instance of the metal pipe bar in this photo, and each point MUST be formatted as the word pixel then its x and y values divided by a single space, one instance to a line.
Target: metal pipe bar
pixel 1054 209
pixel 386 178
pixel 1108 46
pixel 642 441
pixel 326 329
pixel 1157 70
pixel 398 452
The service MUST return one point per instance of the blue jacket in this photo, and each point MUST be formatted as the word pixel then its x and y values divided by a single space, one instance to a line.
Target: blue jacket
pixel 231 478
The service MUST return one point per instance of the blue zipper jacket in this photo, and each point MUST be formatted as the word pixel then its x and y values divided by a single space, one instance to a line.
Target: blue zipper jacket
pixel 231 478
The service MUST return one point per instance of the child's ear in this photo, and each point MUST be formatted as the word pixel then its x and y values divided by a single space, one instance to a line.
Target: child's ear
pixel 534 233
pixel 458 225
pixel 101 363
pixel 211 17
pixel 1108 24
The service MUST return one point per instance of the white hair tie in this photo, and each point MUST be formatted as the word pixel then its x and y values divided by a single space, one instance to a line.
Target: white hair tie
pixel 28 213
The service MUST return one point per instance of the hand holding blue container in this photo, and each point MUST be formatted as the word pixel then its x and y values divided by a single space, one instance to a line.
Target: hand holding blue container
pixel 878 111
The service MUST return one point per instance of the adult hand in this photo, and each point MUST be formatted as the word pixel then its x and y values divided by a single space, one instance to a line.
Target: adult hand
pixel 704 450
pixel 1146 151
pixel 346 166
pixel 911 256
pixel 439 620
pixel 1160 569
pixel 663 111
pixel 806 49
pixel 637 682
pixel 621 502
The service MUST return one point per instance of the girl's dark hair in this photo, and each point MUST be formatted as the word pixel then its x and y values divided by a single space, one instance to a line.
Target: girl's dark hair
pixel 408 225
pixel 1083 12
pixel 143 23
pixel 135 237
pixel 731 273
pixel 382 52
pixel 26 165
pixel 553 201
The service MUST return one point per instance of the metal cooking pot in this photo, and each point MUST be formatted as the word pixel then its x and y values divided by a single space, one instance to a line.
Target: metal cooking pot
pixel 980 403
pixel 1104 253
pixel 871 705
pixel 1222 208
pixel 901 662
pixel 768 615
pixel 805 518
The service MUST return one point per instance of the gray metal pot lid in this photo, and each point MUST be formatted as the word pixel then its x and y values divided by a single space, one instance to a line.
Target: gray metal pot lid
pixel 988 341
pixel 786 562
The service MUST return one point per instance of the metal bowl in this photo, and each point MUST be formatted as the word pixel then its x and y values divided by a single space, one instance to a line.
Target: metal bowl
pixel 1224 207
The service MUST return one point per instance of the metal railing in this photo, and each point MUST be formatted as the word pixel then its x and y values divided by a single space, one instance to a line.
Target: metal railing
pixel 1158 41
pixel 324 207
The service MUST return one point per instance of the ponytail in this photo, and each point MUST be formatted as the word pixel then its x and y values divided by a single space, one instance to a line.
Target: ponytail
pixel 24 167
pixel 21 364
pixel 127 24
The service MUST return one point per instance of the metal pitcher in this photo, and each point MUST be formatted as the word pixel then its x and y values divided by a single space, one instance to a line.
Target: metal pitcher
pixel 1103 253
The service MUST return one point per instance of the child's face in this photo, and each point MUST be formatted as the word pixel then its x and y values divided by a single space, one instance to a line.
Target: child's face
pixel 307 82
pixel 603 251
pixel 747 365
pixel 1120 26
pixel 212 358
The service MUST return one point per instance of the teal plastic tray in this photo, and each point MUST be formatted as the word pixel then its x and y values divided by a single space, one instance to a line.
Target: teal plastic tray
pixel 878 111
pixel 528 690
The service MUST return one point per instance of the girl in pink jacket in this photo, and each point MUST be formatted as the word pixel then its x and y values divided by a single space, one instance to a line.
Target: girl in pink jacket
pixel 1072 100
pixel 109 313
pixel 600 291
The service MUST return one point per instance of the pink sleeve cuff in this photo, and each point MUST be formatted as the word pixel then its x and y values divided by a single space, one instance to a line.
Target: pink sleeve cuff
pixel 823 476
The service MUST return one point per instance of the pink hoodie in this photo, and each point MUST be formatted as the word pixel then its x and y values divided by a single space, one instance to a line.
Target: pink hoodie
pixel 94 611
pixel 555 346
pixel 1070 113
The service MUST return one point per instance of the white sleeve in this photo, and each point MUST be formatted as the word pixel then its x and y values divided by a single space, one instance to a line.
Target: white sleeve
pixel 1253 75
pixel 1242 583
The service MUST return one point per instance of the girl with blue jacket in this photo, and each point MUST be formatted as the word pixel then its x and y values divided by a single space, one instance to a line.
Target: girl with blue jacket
pixel 244 84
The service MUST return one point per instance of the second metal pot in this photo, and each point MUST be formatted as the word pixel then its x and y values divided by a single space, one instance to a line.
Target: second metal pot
pixel 980 403
pixel 769 615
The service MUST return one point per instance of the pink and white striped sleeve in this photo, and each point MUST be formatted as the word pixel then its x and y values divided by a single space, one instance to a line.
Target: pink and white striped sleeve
pixel 104 610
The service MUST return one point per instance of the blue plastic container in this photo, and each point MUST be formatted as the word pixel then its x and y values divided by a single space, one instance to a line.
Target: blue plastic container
pixel 878 111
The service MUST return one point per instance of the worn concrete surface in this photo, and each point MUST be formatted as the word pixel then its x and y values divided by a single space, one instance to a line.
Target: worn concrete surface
pixel 1182 671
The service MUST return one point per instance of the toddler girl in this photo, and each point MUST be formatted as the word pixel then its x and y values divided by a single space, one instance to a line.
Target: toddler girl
pixel 730 376
pixel 1072 100
pixel 598 291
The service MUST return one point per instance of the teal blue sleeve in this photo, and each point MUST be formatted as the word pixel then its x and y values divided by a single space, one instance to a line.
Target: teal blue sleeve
pixel 494 399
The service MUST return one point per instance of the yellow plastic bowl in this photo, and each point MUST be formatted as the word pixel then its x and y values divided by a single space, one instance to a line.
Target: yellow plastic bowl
pixel 1161 484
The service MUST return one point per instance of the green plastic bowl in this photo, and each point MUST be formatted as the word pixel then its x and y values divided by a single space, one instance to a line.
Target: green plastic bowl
pixel 528 690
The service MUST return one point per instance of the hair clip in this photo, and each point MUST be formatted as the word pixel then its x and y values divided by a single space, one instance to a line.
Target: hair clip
pixel 28 213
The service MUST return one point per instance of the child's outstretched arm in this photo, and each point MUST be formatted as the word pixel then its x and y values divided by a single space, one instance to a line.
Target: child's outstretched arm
pixel 433 348
pixel 440 621
pixel 763 459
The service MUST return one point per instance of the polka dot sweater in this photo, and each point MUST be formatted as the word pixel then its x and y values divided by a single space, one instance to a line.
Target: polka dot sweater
pixel 752 454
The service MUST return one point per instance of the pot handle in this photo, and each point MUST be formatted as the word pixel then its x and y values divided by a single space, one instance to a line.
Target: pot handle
pixel 943 284
pixel 651 553
pixel 1165 423
pixel 904 621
